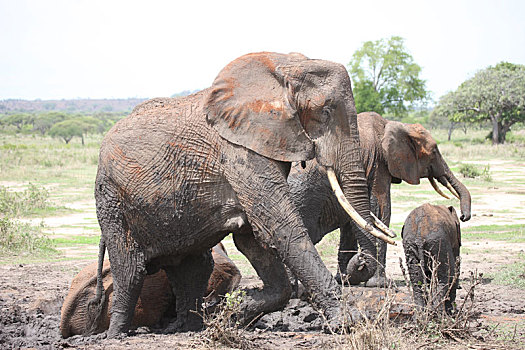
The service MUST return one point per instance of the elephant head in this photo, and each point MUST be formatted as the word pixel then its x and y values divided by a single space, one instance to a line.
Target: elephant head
pixel 291 109
pixel 411 153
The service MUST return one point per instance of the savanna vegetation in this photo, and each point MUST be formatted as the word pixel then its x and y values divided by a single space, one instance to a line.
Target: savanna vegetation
pixel 48 161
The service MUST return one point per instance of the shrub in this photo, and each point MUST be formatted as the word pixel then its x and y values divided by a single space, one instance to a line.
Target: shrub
pixel 14 204
pixel 469 170
pixel 17 237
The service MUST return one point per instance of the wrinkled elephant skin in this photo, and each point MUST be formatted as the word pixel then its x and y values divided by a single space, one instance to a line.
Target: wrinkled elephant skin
pixel 179 174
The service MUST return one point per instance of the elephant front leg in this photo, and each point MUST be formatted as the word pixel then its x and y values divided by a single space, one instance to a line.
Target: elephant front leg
pixel 347 249
pixel 188 281
pixel 276 289
pixel 380 206
pixel 263 192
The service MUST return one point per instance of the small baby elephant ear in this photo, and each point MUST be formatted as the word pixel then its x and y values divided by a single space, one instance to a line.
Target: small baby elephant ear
pixel 249 104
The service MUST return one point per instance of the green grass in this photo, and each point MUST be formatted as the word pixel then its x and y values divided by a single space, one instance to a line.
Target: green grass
pixel 512 274
pixel 31 200
pixel 19 238
pixel 76 240
pixel 512 233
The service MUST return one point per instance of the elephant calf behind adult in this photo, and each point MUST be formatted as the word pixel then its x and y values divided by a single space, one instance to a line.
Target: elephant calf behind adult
pixel 432 235
pixel 155 297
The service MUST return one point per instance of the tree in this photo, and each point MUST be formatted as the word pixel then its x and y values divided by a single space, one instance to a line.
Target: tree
pixel 386 78
pixel 495 94
pixel 45 122
pixel 67 129
pixel 18 120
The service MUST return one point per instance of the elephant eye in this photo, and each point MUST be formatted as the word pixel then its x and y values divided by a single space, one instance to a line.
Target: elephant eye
pixel 326 113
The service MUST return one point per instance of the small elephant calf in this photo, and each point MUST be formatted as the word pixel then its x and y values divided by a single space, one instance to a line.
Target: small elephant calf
pixel 431 234
pixel 155 298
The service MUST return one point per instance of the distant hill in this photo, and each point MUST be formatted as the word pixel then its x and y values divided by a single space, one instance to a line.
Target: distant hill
pixel 73 106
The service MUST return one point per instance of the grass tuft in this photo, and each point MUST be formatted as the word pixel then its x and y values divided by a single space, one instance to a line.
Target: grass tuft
pixel 18 238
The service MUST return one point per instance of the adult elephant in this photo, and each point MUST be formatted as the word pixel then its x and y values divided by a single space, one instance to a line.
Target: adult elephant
pixel 392 152
pixel 178 175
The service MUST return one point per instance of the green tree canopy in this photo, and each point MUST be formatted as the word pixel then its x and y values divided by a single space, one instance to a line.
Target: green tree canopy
pixel 386 78
pixel 67 129
pixel 44 122
pixel 18 120
pixel 495 94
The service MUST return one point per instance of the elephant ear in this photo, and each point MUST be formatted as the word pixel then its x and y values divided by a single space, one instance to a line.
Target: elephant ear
pixel 400 152
pixel 251 104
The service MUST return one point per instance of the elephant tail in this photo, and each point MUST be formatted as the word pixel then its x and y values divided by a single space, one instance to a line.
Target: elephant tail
pixel 95 306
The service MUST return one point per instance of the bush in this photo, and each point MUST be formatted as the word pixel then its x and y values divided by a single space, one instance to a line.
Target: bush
pixel 14 204
pixel 472 171
pixel 17 237
pixel 469 170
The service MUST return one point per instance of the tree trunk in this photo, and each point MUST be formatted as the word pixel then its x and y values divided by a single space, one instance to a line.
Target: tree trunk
pixel 496 128
pixel 450 129
pixel 82 139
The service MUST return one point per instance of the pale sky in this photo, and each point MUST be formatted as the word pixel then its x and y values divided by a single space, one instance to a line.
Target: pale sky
pixel 118 49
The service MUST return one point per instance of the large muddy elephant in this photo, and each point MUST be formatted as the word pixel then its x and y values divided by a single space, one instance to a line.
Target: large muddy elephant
pixel 179 174
pixel 392 152
pixel 432 235
pixel 155 300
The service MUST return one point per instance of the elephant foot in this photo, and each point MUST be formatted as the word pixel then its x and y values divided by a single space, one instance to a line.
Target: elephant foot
pixel 187 322
pixel 257 302
pixel 378 281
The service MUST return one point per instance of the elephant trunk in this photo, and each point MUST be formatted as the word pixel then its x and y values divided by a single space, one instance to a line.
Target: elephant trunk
pixel 351 176
pixel 462 191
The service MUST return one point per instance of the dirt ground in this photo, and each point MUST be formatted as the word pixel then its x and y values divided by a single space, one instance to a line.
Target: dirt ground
pixel 31 297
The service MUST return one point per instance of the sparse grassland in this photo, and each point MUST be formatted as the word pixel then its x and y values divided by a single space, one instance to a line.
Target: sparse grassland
pixel 44 179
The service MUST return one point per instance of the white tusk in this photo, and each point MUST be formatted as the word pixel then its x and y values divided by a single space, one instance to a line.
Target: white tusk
pixel 384 228
pixel 351 211
pixel 436 188
pixel 452 190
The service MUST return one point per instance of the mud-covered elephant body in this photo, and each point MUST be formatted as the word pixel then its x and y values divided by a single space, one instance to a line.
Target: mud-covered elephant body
pixel 156 296
pixel 178 175
pixel 431 234
pixel 392 152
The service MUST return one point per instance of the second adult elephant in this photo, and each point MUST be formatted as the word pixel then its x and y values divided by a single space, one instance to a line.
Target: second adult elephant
pixel 392 152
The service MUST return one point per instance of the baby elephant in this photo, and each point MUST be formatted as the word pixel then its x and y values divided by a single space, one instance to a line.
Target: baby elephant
pixel 432 234
pixel 155 298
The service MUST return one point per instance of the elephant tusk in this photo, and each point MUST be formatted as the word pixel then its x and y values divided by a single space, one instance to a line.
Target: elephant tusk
pixel 384 228
pixel 351 211
pixel 444 181
pixel 452 190
pixel 436 188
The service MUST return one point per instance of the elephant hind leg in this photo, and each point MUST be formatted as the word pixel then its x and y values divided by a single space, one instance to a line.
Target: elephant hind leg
pixel 126 257
pixel 276 290
pixel 189 281
pixel 128 273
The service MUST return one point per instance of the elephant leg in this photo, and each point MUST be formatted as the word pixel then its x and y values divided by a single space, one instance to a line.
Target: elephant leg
pixel 347 249
pixel 379 279
pixel 189 281
pixel 276 289
pixel 126 257
pixel 381 208
pixel 416 273
pixel 128 272
pixel 446 292
pixel 262 190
